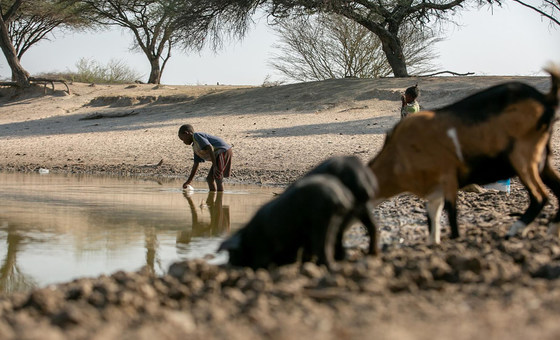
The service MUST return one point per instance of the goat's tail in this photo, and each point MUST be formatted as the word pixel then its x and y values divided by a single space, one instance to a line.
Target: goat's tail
pixel 552 96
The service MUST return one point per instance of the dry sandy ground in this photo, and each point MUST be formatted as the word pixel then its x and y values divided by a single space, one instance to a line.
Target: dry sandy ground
pixel 277 132
pixel 478 287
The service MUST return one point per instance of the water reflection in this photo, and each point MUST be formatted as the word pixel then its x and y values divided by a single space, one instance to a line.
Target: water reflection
pixel 12 279
pixel 219 218
pixel 56 228
pixel 151 244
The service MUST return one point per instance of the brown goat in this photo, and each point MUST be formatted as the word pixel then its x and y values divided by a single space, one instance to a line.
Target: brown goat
pixel 492 135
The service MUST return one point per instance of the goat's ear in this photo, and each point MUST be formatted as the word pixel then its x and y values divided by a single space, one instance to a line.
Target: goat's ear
pixel 234 242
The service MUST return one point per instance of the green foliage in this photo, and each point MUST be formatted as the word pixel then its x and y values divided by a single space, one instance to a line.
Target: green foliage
pixel 384 18
pixel 91 71
pixel 151 22
pixel 115 72
pixel 36 20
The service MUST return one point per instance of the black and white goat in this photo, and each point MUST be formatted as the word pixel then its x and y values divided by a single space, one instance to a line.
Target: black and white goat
pixel 492 135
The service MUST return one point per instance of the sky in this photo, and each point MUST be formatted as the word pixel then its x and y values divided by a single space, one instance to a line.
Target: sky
pixel 511 40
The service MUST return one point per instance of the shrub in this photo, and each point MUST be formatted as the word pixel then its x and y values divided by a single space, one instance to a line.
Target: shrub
pixel 91 71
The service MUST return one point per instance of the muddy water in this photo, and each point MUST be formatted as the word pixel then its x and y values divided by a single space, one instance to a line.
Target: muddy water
pixel 55 228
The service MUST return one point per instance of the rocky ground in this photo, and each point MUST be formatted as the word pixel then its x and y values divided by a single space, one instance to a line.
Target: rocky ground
pixel 480 286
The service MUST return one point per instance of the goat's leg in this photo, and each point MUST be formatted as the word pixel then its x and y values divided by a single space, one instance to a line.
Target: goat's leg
pixel 451 208
pixel 450 203
pixel 339 251
pixel 434 206
pixel 551 179
pixel 324 244
pixel 368 220
pixel 531 179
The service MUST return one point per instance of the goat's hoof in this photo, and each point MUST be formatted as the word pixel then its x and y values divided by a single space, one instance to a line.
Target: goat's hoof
pixel 434 243
pixel 515 229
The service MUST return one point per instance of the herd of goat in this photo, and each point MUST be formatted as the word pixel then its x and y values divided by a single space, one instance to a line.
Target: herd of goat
pixel 495 134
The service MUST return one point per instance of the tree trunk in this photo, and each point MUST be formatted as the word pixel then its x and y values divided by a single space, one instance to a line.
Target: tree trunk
pixel 390 43
pixel 19 74
pixel 155 73
pixel 7 271
pixel 393 51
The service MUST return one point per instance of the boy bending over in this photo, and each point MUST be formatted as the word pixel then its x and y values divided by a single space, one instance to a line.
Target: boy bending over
pixel 208 148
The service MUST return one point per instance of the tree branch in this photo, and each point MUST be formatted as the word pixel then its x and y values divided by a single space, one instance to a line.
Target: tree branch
pixel 538 10
pixel 450 72
pixel 12 11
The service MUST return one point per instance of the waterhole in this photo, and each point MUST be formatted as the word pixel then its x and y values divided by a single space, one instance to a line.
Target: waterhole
pixel 56 228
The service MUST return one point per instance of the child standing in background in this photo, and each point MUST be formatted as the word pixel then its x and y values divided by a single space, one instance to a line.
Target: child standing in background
pixel 409 103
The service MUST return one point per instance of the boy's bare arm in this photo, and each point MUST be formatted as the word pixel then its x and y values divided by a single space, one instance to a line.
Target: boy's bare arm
pixel 191 176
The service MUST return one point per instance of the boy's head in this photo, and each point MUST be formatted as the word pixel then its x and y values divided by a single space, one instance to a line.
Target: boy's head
pixel 411 93
pixel 186 133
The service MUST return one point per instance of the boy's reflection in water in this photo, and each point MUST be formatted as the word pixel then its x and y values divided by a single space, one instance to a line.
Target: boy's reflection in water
pixel 219 218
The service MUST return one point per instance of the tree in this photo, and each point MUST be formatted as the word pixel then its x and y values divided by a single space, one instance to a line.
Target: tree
pixel 331 46
pixel 25 23
pixel 152 23
pixel 8 11
pixel 35 19
pixel 384 18
pixel 549 9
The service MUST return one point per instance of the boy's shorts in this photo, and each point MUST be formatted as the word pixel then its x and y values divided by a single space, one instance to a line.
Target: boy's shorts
pixel 223 168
